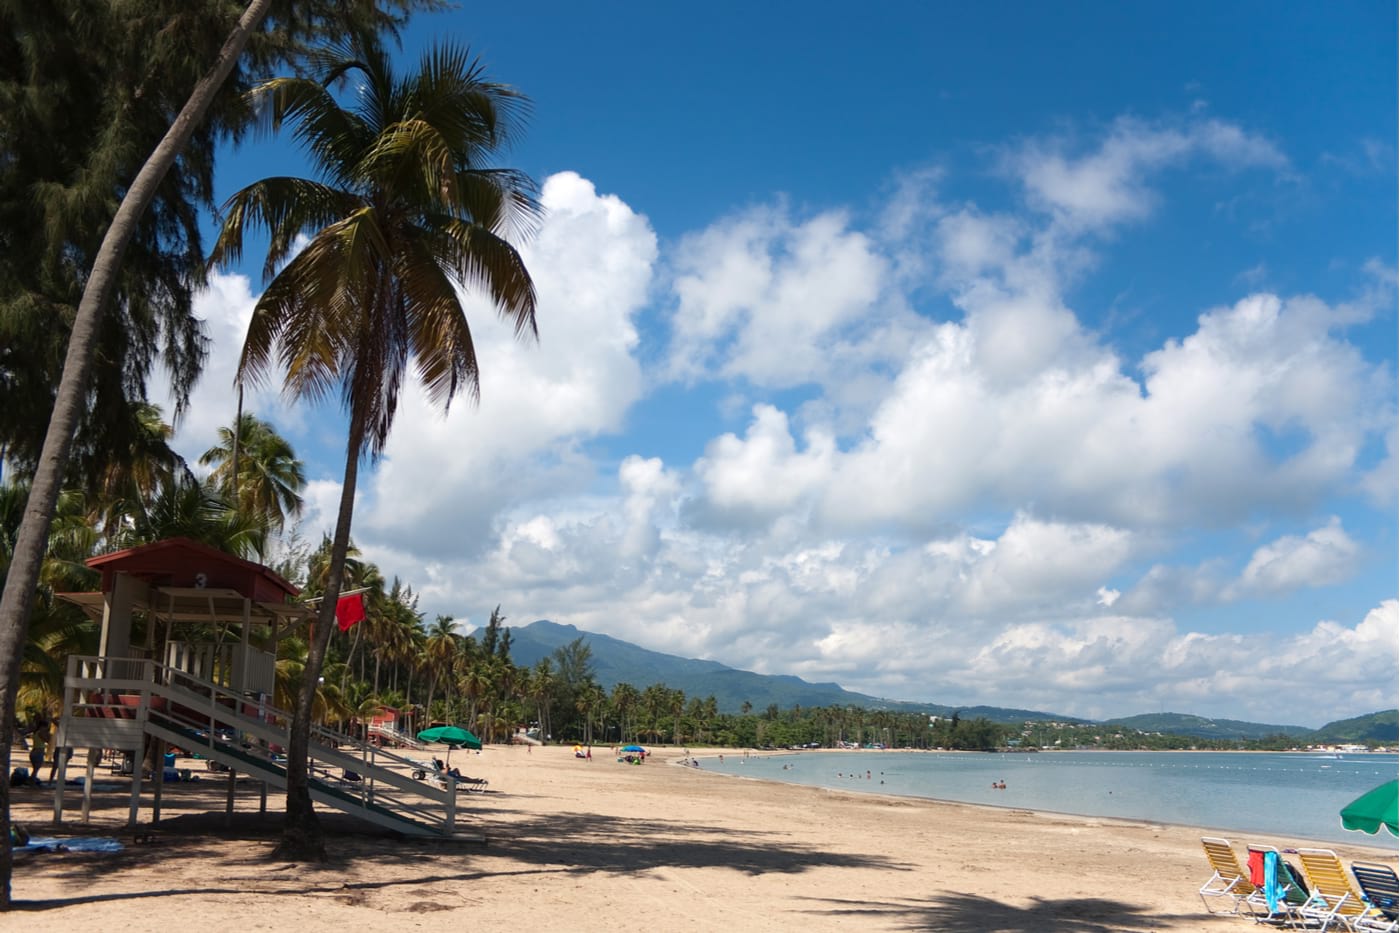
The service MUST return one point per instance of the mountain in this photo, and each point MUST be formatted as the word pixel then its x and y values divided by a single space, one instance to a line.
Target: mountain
pixel 616 661
pixel 1382 728
pixel 1185 724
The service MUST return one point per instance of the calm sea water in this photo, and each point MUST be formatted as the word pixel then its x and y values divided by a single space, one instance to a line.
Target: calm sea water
pixel 1294 795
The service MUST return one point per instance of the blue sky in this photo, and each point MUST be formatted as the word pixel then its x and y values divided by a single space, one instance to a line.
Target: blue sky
pixel 1031 355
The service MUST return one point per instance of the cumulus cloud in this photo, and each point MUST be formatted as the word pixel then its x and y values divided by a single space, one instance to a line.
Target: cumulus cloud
pixel 225 305
pixel 778 301
pixel 444 478
pixel 1117 663
pixel 1325 556
pixel 763 475
pixel 930 480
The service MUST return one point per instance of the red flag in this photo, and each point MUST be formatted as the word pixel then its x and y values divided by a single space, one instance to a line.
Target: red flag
pixel 349 610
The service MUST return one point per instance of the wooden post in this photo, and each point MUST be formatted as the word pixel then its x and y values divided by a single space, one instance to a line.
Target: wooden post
pixel 228 804
pixel 93 755
pixel 159 774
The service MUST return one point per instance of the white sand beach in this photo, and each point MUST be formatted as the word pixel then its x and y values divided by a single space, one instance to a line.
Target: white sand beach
pixel 577 845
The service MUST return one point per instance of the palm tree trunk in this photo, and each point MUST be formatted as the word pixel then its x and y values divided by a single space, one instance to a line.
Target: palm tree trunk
pixel 302 839
pixel 354 643
pixel 32 539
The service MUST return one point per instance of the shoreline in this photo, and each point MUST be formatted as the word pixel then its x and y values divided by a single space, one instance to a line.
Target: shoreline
pixel 1383 845
pixel 1140 822
pixel 574 845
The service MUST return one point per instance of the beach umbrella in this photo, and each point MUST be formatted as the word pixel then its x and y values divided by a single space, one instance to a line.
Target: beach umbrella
pixel 452 735
pixel 633 748
pixel 1374 809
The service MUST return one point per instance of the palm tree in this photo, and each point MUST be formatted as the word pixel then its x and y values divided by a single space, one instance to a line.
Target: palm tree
pixel 406 211
pixel 440 654
pixel 70 401
pixel 269 476
pixel 542 685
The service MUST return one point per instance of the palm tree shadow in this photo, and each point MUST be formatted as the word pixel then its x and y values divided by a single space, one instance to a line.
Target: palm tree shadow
pixel 969 913
pixel 553 844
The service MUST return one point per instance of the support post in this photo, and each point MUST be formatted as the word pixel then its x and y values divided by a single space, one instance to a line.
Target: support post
pixel 93 755
pixel 159 775
pixel 228 803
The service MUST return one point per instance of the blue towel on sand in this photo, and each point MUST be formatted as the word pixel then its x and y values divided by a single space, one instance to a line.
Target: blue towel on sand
pixel 71 844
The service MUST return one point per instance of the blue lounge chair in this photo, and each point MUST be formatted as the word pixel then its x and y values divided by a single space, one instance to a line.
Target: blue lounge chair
pixel 1382 891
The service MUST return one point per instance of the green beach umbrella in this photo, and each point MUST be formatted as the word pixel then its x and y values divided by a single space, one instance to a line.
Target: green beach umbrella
pixel 452 735
pixel 1374 809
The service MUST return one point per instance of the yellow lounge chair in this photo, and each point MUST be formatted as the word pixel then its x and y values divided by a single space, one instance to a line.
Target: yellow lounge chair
pixel 1229 878
pixel 1334 900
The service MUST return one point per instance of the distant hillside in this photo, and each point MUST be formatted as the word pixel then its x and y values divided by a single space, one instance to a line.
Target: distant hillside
pixel 1382 728
pixel 617 661
pixel 1184 724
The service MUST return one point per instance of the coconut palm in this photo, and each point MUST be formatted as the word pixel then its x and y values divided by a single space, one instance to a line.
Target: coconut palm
pixel 269 476
pixel 440 654
pixel 406 211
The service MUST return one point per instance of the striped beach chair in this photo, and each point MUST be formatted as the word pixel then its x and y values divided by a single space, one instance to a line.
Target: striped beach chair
pixel 1228 879
pixel 1334 901
pixel 1382 891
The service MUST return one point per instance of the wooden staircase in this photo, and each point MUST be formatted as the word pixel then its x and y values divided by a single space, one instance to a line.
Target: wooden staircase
pixel 123 703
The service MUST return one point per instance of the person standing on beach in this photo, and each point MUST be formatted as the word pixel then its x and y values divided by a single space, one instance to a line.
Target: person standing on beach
pixel 39 743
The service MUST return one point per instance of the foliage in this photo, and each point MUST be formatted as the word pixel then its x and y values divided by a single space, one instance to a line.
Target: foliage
pixel 1378 728
pixel 87 89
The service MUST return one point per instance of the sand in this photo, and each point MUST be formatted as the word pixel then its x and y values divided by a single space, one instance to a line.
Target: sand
pixel 576 845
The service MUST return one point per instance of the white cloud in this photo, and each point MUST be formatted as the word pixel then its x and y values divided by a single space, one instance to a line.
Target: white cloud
pixel 1108 185
pixel 763 475
pixel 981 500
pixel 444 478
pixel 774 300
pixel 1043 565
pixel 225 305
pixel 1261 409
pixel 1325 556
pixel 1117 663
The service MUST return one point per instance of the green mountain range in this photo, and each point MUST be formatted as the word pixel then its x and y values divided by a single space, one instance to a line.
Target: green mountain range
pixel 1382 728
pixel 616 661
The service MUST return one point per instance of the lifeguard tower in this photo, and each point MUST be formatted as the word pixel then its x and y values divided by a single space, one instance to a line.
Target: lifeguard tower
pixel 188 658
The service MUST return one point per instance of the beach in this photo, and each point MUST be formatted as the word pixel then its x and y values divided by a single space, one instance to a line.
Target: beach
pixel 596 845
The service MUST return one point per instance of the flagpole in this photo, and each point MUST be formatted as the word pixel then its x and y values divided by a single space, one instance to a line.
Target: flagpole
pixel 316 599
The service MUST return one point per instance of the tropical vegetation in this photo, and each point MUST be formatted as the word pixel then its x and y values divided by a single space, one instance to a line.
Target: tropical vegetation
pixel 110 111
pixel 408 208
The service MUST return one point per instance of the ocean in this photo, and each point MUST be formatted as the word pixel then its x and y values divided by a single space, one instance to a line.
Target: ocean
pixel 1293 795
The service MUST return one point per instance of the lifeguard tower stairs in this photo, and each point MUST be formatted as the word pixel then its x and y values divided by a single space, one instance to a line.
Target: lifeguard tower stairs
pixel 214 622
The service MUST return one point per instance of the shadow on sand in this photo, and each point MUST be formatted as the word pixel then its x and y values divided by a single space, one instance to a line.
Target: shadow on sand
pixel 967 913
pixel 523 844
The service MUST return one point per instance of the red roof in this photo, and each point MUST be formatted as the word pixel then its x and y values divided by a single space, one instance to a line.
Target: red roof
pixel 186 562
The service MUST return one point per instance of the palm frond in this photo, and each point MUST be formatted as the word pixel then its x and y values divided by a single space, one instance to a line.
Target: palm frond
pixel 438 332
pixel 481 259
pixel 283 206
pixel 328 132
